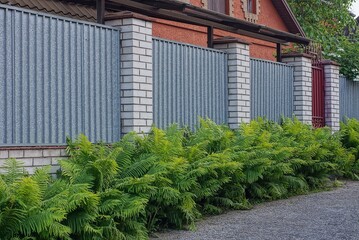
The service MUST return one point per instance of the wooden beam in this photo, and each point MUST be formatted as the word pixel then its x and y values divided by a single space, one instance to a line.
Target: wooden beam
pixel 210 37
pixel 191 15
pixel 279 52
pixel 100 8
pixel 181 17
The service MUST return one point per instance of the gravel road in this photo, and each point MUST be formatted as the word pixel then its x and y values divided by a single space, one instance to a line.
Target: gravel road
pixel 318 216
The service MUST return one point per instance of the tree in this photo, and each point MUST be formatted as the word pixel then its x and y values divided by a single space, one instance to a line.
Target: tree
pixel 330 23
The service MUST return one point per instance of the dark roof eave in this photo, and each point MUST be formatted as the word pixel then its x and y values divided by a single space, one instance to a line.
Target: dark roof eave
pixel 182 12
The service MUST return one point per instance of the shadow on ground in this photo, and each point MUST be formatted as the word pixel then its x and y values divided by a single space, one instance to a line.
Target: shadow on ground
pixel 318 216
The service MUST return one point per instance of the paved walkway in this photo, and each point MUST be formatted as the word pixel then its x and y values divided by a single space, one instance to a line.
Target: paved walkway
pixel 318 216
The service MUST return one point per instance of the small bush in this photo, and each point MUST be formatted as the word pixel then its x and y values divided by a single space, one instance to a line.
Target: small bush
pixel 170 178
pixel 350 139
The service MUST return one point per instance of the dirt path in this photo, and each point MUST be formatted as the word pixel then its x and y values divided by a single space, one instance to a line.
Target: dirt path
pixel 318 216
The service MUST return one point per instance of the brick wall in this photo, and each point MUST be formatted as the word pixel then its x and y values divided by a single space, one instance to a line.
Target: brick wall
pixel 33 157
pixel 302 64
pixel 239 92
pixel 332 104
pixel 136 72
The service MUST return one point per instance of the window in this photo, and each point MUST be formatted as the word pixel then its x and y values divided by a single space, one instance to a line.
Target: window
pixel 251 6
pixel 220 6
pixel 251 10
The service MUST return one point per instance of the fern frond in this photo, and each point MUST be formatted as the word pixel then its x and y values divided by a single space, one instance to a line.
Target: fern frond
pixel 13 170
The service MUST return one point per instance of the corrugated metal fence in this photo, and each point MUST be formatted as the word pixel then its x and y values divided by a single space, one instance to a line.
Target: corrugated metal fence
pixel 349 98
pixel 271 89
pixel 189 81
pixel 58 78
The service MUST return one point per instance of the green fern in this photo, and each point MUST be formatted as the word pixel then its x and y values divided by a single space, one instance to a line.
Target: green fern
pixel 170 178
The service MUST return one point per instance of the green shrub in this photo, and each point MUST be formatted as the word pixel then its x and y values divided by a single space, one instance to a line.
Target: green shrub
pixel 211 159
pixel 170 178
pixel 350 138
pixel 36 207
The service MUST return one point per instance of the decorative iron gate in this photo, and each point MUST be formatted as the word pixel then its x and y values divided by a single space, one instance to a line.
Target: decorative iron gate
pixel 318 95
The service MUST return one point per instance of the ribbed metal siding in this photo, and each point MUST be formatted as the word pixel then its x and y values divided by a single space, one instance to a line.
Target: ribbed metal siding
pixel 271 89
pixel 349 98
pixel 58 78
pixel 189 82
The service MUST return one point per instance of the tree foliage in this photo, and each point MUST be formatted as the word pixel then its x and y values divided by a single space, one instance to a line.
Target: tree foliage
pixel 330 23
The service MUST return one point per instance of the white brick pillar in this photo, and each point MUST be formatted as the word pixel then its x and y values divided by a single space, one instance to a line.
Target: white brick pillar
pixel 302 64
pixel 332 115
pixel 136 71
pixel 239 92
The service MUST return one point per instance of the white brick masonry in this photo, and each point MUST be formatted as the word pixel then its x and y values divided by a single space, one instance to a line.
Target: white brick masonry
pixel 136 72
pixel 302 64
pixel 239 109
pixel 33 158
pixel 332 115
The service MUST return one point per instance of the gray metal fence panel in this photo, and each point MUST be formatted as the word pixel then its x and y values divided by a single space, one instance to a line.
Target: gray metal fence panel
pixel 189 82
pixel 58 78
pixel 349 98
pixel 271 89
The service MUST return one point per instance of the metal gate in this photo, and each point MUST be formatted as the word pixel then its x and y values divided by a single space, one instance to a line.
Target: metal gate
pixel 318 95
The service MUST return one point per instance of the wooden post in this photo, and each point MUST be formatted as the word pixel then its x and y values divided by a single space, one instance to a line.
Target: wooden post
pixel 210 36
pixel 279 52
pixel 100 8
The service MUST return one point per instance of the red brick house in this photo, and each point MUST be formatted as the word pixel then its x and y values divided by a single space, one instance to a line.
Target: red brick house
pixel 273 14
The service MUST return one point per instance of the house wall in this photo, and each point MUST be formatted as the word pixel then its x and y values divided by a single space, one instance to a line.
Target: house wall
pixel 198 35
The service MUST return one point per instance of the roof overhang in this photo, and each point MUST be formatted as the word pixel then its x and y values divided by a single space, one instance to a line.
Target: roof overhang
pixel 186 13
pixel 288 17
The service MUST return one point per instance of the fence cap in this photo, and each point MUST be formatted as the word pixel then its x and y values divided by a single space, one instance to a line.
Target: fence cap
pixel 127 14
pixel 297 54
pixel 230 39
pixel 32 147
pixel 329 62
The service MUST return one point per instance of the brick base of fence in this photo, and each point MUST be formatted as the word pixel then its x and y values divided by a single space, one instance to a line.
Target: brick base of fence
pixel 34 157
